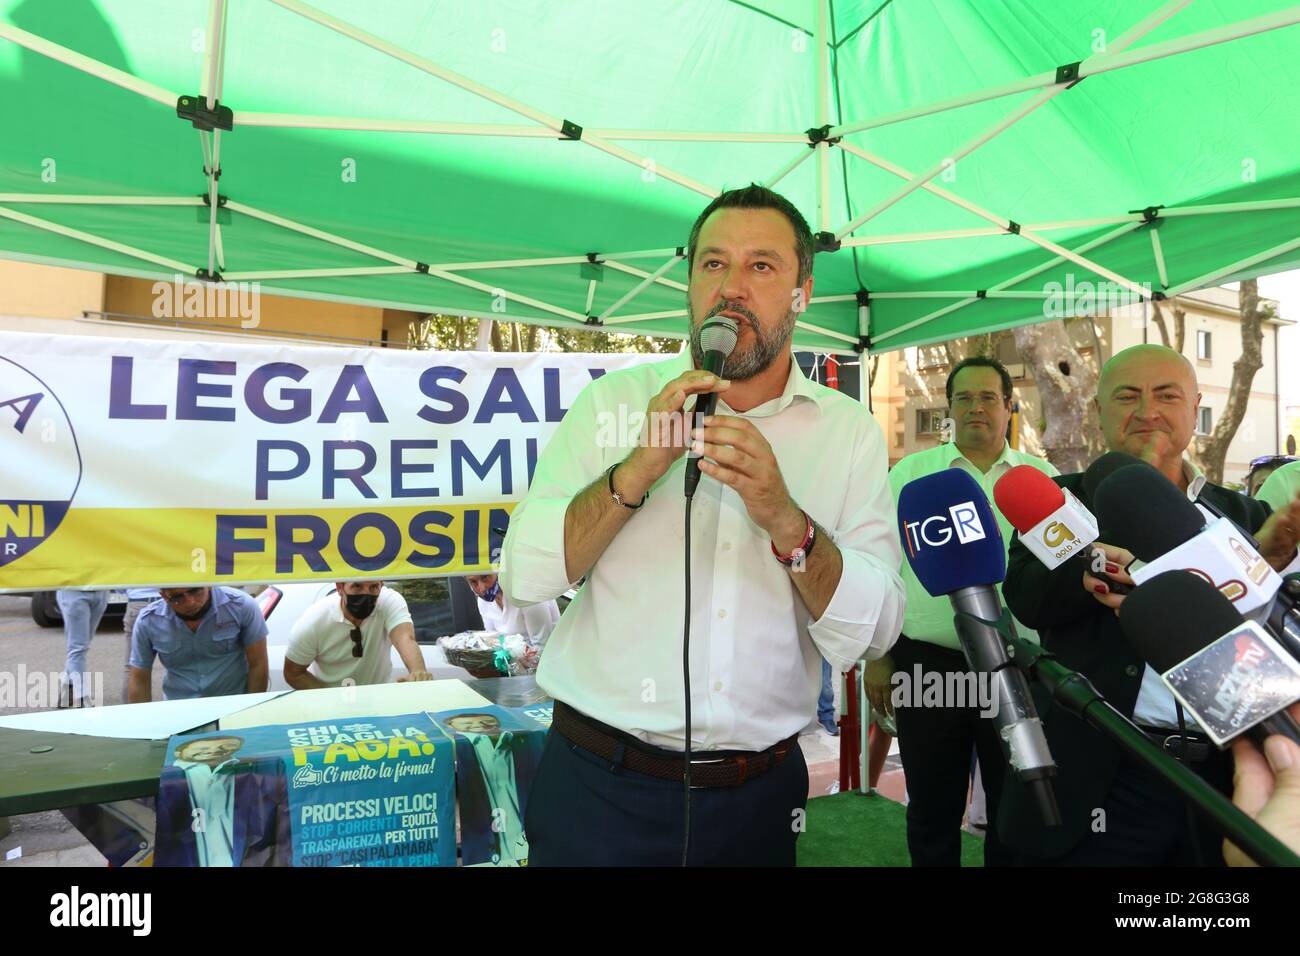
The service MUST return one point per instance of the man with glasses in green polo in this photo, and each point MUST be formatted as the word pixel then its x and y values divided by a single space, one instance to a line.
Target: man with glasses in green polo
pixel 212 643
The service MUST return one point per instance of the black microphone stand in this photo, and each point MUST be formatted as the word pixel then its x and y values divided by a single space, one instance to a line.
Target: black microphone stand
pixel 1075 693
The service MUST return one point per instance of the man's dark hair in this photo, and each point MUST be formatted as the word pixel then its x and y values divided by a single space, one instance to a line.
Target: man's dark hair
pixel 205 740
pixel 755 196
pixel 980 361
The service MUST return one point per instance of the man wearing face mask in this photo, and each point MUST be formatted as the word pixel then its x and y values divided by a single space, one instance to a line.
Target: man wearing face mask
pixel 534 622
pixel 345 636
pixel 212 642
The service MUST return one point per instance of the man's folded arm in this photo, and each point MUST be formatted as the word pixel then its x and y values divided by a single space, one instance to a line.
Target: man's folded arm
pixel 865 614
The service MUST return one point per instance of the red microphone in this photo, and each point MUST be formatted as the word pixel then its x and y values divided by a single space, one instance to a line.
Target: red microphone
pixel 1051 521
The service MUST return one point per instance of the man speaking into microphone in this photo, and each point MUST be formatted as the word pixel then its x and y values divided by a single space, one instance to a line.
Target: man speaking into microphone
pixel 793 556
pixel 1115 812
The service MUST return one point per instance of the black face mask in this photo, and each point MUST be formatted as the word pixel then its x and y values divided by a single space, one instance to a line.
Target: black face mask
pixel 199 614
pixel 360 606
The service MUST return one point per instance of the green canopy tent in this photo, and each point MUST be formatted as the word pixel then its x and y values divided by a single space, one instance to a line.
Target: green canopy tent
pixel 963 163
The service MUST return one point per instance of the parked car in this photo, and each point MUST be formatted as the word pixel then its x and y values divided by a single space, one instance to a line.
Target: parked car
pixel 439 607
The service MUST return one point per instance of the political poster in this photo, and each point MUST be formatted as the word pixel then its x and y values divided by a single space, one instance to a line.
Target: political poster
pixel 498 751
pixel 360 792
pixel 131 462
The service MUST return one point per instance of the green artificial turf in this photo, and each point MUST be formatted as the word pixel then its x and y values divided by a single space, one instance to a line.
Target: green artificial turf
pixel 848 829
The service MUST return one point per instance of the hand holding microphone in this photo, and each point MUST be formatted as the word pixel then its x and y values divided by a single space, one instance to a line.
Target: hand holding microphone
pixel 1266 787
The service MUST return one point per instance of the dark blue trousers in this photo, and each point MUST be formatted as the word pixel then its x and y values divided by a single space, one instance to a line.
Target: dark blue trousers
pixel 582 811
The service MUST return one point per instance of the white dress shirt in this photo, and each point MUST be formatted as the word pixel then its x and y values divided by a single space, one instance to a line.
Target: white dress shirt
pixel 535 623
pixel 755 658
pixel 212 792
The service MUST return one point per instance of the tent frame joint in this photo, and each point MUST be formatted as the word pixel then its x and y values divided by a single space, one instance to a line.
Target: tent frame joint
pixel 593 320
pixel 207 200
pixel 203 275
pixel 1013 227
pixel 821 134
pixel 864 344
pixel 422 267
pixel 194 109
pixel 1149 214
pixel 570 130
pixel 1068 73
pixel 1158 296
pixel 864 297
pixel 981 293
pixel 825 242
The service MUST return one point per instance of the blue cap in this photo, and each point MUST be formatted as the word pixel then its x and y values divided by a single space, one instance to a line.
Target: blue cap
pixel 950 537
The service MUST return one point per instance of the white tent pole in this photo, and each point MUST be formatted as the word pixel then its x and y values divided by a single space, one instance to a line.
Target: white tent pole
pixel 86 65
pixel 696 136
pixel 269 274
pixel 514 263
pixel 640 287
pixel 1027 234
pixel 1097 64
pixel 591 295
pixel 788 168
pixel 72 200
pixel 210 89
pixel 319 234
pixel 821 63
pixel 642 274
pixel 465 83
pixel 367 124
pixel 1014 280
pixel 917 181
pixel 1262 205
pixel 1209 277
pixel 647 316
pixel 923 236
pixel 132 251
pixel 817 329
pixel 1160 256
pixel 221 252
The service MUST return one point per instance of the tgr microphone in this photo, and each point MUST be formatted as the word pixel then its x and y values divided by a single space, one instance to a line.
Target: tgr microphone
pixel 1053 524
pixel 1228 672
pixel 955 547
pixel 1152 518
pixel 717 340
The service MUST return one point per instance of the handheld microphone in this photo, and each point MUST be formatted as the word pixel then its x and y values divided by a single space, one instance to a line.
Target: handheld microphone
pixel 954 545
pixel 718 338
pixel 1229 673
pixel 1053 524
pixel 1153 519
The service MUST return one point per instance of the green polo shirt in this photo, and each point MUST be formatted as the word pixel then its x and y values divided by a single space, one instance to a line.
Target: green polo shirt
pixel 930 618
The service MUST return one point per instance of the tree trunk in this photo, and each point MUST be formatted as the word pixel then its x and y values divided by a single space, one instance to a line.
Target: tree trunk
pixel 1067 385
pixel 530 338
pixel 1211 451
pixel 1180 325
pixel 498 340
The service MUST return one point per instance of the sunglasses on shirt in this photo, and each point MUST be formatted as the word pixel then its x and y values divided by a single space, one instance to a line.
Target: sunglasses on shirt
pixel 356 641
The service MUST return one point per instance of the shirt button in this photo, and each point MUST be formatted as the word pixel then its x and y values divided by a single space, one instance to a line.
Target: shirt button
pixel 1131 670
pixel 722 614
pixel 717 685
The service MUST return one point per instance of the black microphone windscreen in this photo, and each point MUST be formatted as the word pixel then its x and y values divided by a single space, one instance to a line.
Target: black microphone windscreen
pixel 1145 512
pixel 1174 615
pixel 1104 467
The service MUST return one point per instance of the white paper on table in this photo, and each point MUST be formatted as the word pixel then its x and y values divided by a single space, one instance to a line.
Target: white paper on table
pixel 345 703
pixel 155 720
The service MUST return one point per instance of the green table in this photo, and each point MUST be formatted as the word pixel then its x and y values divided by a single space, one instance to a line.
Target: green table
pixel 47 771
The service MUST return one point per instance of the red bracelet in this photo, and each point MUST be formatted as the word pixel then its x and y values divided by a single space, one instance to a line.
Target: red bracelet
pixel 804 549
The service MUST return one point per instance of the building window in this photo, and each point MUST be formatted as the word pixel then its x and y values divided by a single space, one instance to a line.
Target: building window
pixel 1204 420
pixel 930 356
pixel 929 421
pixel 1203 345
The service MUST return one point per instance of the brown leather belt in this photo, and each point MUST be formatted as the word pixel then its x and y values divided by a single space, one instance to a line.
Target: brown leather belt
pixel 708 769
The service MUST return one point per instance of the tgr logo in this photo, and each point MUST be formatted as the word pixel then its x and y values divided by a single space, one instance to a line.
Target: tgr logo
pixel 963 519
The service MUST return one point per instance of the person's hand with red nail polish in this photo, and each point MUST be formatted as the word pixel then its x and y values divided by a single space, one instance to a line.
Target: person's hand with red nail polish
pixel 1110 561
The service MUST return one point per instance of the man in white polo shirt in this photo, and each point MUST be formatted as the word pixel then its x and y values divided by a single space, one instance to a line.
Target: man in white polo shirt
pixel 935 742
pixel 345 636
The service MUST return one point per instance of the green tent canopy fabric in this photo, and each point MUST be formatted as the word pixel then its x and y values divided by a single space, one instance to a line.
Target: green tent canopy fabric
pixel 965 164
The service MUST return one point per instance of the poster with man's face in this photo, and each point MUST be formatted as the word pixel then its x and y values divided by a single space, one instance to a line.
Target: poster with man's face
pixel 497 755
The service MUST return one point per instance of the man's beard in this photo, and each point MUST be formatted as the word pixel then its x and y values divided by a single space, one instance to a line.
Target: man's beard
pixel 759 357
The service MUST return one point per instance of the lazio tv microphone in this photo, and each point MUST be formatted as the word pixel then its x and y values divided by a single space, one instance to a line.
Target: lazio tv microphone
pixel 1052 523
pixel 1153 519
pixel 954 545
pixel 1228 672
pixel 717 340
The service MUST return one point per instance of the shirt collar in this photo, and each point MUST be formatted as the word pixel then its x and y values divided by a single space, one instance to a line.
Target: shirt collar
pixel 953 453
pixel 797 385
